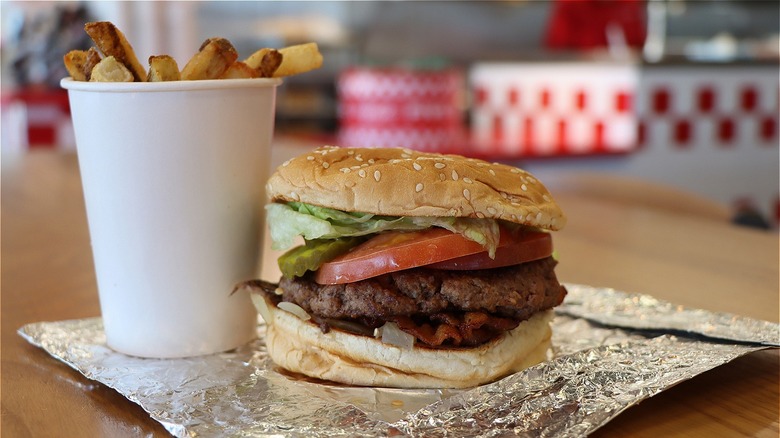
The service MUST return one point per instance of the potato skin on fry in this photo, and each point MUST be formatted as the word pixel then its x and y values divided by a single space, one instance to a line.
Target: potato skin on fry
pixel 213 59
pixel 265 61
pixel 93 58
pixel 163 68
pixel 112 42
pixel 239 70
pixel 74 62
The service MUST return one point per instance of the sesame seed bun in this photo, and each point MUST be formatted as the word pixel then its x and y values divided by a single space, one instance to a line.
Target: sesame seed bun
pixel 402 182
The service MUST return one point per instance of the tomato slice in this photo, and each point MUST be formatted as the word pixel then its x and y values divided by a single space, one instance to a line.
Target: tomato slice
pixel 396 251
pixel 526 247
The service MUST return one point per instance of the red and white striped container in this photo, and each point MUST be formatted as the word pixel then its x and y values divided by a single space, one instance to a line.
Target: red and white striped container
pixel 399 107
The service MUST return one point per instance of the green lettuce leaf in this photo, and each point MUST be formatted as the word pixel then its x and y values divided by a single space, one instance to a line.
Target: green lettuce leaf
pixel 288 221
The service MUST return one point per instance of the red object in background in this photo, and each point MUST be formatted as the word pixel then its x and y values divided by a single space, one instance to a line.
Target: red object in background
pixel 514 97
pixel 749 99
pixel 726 131
pixel 400 107
pixel 682 133
pixel 583 24
pixel 623 102
pixel 706 99
pixel 581 100
pixel 661 101
pixel 44 110
pixel 769 129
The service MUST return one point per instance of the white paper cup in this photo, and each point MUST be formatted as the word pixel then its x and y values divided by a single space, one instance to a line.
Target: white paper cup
pixel 173 176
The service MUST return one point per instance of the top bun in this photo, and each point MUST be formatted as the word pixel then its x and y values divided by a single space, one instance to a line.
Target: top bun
pixel 403 182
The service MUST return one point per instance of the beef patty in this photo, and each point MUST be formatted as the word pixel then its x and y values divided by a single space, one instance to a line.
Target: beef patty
pixel 515 292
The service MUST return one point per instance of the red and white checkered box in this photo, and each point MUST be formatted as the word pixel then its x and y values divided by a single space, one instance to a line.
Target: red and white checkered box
pixel 398 107
pixel 553 109
pixel 722 108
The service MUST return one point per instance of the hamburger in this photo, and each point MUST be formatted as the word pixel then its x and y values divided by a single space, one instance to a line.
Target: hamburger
pixel 408 269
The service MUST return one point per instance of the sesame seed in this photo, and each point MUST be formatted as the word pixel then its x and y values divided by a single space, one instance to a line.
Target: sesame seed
pixel 417 166
pixel 310 158
pixel 345 170
pixel 492 172
pixel 467 180
pixel 406 156
pixel 377 175
pixel 442 177
pixel 515 170
pixel 286 163
pixel 491 210
pixel 439 165
pixel 480 215
pixel 467 194
pixel 524 187
pixel 325 164
pixel 358 157
pixel 354 167
pixel 546 198
pixel 454 175
pixel 418 188
pixel 350 152
pixel 514 217
pixel 362 173
pixel 504 195
pixel 371 161
pixel 539 217
pixel 396 161
pixel 295 196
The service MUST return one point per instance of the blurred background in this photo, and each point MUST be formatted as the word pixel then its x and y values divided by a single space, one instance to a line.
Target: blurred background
pixel 679 92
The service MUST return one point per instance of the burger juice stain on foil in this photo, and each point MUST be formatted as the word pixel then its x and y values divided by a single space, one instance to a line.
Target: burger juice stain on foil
pixel 611 351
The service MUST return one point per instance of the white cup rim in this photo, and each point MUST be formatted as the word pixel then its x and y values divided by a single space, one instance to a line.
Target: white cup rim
pixel 135 87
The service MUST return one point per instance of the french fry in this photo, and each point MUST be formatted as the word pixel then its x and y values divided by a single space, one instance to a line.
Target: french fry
pixel 112 42
pixel 213 59
pixel 111 70
pixel 265 61
pixel 271 62
pixel 93 58
pixel 299 59
pixel 254 60
pixel 239 70
pixel 74 63
pixel 163 68
pixel 114 59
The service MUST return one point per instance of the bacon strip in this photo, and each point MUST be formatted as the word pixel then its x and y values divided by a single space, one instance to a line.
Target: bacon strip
pixel 467 329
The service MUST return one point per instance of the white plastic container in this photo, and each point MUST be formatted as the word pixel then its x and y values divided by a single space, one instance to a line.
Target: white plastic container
pixel 173 176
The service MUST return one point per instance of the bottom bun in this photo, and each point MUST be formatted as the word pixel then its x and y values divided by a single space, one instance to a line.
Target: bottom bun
pixel 339 356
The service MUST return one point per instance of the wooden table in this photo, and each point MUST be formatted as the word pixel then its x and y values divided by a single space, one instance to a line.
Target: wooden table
pixel 47 275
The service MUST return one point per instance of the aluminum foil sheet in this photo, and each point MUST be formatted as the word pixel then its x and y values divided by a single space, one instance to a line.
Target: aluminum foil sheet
pixel 611 351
